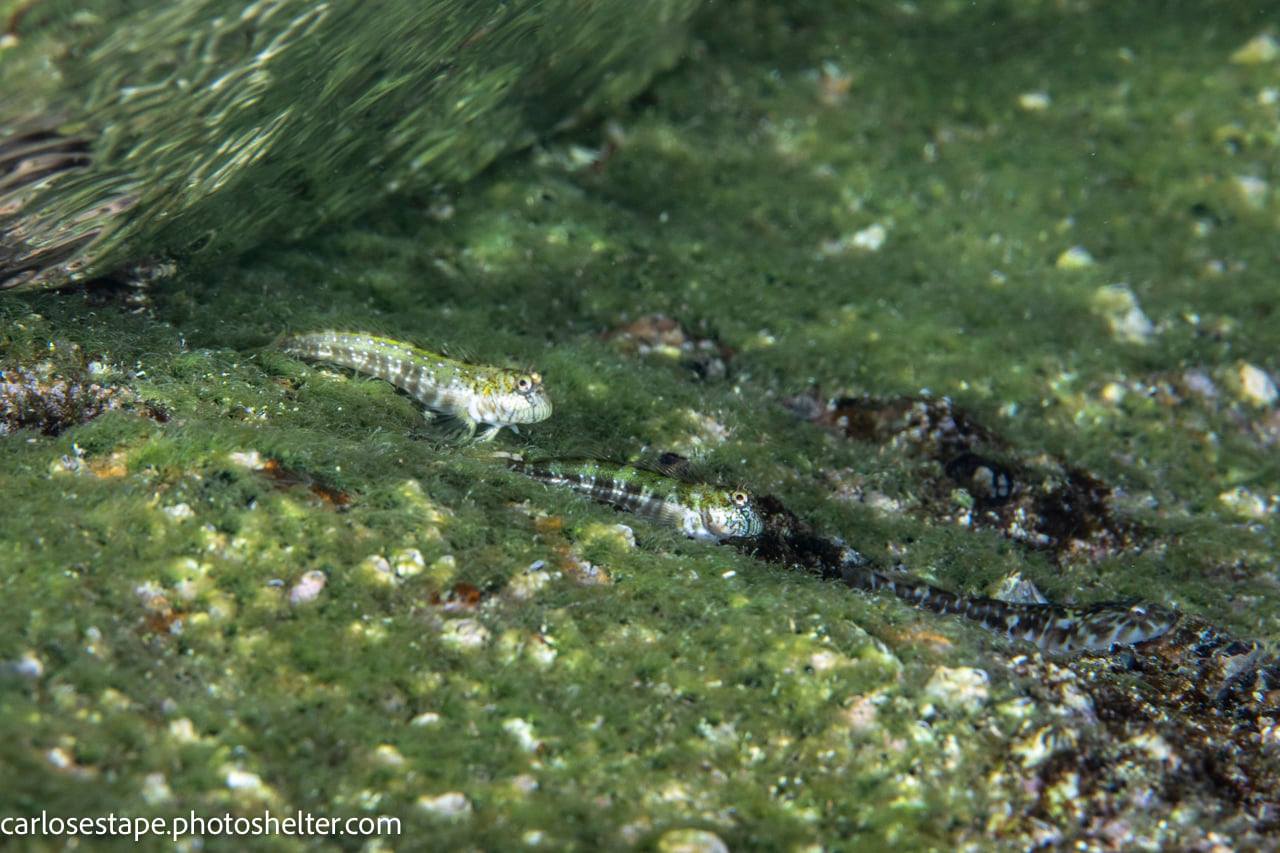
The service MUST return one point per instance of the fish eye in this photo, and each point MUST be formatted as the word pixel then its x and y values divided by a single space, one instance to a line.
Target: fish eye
pixel 524 383
pixel 740 498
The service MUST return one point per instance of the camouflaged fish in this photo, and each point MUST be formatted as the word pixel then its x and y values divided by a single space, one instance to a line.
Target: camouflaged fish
pixel 481 399
pixel 697 510
pixel 1053 628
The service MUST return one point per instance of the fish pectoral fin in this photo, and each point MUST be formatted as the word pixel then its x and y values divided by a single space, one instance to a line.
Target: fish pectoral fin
pixel 459 427
pixel 674 515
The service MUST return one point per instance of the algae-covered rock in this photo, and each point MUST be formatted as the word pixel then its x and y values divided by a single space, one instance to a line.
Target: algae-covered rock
pixel 130 134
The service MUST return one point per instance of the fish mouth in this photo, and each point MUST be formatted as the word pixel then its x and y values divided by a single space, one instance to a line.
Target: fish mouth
pixel 516 410
pixel 536 410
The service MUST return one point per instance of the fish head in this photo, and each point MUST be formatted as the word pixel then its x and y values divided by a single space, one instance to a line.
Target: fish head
pixel 515 397
pixel 731 514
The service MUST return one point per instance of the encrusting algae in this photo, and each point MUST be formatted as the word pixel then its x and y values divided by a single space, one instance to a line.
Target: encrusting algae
pixel 172 647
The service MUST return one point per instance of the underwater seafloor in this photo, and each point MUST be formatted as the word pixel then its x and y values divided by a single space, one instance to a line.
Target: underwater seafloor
pixel 1058 215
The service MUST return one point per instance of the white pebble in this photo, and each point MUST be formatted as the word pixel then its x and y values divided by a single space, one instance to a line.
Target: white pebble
pixel 183 730
pixel 451 805
pixel 1245 503
pixel 241 780
pixel 308 587
pixel 377 567
pixel 1119 307
pixel 1198 382
pixel 251 459
pixel 870 238
pixel 155 790
pixel 1253 190
pixel 386 755
pixel 1035 102
pixel 691 841
pixel 1075 258
pixel 627 535
pixel 28 666
pixel 179 512
pixel 1256 386
pixel 1257 50
pixel 464 634
pixel 522 731
pixel 408 563
pixel 962 687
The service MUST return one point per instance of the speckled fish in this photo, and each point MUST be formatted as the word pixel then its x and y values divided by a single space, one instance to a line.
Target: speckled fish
pixel 698 510
pixel 1051 627
pixel 482 399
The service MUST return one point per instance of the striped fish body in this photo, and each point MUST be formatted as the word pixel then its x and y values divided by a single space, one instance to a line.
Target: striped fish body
pixel 1052 628
pixel 697 510
pixel 479 397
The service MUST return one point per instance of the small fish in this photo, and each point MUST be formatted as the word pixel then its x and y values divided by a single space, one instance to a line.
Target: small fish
pixel 698 510
pixel 482 399
pixel 1052 628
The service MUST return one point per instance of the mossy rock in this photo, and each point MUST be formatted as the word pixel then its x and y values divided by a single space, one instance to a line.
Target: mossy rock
pixel 132 135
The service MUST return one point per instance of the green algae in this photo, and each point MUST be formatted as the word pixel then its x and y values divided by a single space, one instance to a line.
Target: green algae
pixel 698 688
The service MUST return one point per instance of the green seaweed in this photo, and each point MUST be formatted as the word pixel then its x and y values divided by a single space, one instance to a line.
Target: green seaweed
pixel 698 688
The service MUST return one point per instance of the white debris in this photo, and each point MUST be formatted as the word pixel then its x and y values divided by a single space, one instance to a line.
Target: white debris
pixel 1016 589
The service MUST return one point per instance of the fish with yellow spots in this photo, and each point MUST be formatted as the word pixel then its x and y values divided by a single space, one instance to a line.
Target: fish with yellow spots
pixel 481 398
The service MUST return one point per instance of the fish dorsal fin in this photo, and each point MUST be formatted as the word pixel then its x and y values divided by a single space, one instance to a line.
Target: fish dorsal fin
pixel 674 465
pixel 457 352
